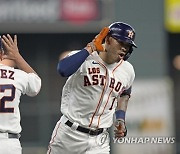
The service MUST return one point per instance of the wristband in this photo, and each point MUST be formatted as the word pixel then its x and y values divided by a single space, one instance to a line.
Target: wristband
pixel 120 114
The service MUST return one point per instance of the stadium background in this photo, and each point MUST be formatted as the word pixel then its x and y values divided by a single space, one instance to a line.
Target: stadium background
pixel 47 28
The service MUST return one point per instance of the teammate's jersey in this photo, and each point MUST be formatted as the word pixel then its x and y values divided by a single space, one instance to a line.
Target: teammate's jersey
pixel 13 83
pixel 90 95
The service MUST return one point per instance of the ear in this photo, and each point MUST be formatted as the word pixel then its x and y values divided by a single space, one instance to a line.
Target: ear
pixel 108 39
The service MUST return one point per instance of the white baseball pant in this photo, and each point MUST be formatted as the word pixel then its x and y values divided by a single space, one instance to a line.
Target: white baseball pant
pixel 67 140
pixel 9 145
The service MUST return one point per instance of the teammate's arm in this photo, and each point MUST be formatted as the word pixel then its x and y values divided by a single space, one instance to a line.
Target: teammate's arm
pixel 120 113
pixel 12 53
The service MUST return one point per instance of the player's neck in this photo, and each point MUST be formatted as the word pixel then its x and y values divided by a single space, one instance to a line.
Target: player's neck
pixel 8 62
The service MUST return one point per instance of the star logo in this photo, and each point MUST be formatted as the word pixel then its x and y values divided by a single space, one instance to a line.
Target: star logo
pixel 130 34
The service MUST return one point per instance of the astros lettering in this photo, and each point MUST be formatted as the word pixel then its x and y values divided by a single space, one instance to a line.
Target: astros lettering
pixel 99 79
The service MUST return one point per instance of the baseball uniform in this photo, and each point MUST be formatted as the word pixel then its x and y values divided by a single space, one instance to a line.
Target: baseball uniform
pixel 13 83
pixel 89 99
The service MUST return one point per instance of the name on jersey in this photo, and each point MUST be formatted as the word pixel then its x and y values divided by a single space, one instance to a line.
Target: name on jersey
pixel 98 79
pixel 6 74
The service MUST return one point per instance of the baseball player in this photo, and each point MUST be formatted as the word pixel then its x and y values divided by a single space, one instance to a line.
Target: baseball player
pixel 98 87
pixel 13 83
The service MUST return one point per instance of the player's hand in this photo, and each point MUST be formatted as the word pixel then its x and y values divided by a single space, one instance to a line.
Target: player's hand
pixel 120 129
pixel 96 44
pixel 99 39
pixel 10 47
pixel 90 47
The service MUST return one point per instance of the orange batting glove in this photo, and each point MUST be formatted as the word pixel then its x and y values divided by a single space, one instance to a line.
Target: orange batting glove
pixel 99 38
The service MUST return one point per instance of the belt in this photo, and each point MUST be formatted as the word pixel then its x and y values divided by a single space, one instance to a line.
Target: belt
pixel 9 135
pixel 12 135
pixel 86 130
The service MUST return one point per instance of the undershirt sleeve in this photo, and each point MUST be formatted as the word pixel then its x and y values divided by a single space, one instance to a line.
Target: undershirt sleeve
pixel 69 65
pixel 127 92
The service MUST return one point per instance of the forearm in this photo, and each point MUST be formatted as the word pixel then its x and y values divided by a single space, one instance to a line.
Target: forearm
pixel 71 64
pixel 23 65
pixel 123 103
pixel 122 107
pixel 121 130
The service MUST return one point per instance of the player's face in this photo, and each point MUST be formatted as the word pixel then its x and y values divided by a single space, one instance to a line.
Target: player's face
pixel 116 50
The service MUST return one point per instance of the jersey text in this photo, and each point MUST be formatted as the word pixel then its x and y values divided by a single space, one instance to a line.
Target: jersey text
pixel 6 74
pixel 99 79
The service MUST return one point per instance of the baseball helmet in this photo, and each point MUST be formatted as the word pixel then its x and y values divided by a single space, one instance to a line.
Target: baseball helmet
pixel 124 33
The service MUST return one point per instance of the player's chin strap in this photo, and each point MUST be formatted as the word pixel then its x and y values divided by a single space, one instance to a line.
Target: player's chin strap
pixel 127 55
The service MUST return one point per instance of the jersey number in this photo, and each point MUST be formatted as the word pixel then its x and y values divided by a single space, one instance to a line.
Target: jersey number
pixel 112 103
pixel 7 98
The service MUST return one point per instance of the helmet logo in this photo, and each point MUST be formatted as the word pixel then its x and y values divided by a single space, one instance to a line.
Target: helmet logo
pixel 130 34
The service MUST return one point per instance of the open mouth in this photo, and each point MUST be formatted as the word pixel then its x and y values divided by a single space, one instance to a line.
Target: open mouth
pixel 121 55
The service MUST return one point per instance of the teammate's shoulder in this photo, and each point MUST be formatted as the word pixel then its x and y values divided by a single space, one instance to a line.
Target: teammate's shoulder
pixel 15 71
pixel 21 73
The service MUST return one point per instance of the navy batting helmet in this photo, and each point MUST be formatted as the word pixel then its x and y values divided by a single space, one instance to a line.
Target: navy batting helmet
pixel 125 33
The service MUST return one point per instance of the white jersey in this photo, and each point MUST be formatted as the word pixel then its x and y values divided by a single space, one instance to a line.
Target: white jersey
pixel 90 95
pixel 13 83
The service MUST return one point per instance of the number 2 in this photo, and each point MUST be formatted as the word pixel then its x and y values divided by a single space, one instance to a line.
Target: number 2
pixel 6 98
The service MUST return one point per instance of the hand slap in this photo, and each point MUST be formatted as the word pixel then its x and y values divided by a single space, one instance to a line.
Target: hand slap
pixel 10 47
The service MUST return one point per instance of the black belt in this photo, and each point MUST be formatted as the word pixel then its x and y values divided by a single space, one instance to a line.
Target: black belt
pixel 12 135
pixel 86 130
